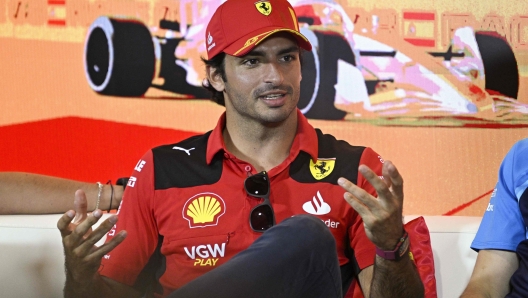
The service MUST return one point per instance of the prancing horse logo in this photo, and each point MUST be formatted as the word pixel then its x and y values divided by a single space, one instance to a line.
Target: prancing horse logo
pixel 264 7
pixel 322 168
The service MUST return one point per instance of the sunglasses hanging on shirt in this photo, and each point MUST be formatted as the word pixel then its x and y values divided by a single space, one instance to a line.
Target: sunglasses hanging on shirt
pixel 262 216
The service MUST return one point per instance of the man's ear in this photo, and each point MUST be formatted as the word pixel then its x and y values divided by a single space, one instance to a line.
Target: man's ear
pixel 215 79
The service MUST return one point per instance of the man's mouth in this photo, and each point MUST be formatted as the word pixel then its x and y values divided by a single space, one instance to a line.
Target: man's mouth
pixel 272 96
pixel 274 99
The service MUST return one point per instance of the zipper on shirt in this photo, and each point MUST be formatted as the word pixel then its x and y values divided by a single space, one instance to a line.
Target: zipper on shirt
pixel 229 236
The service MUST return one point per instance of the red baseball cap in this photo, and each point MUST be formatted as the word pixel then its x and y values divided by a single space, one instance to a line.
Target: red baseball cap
pixel 237 26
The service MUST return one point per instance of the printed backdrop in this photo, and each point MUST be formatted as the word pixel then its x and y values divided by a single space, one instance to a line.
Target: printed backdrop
pixel 438 87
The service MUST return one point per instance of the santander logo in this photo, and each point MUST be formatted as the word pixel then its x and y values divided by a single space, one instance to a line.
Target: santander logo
pixel 317 206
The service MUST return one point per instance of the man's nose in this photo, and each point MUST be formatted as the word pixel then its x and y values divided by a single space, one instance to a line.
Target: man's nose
pixel 273 74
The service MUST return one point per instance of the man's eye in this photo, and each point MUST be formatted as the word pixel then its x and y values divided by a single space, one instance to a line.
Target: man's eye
pixel 251 62
pixel 288 58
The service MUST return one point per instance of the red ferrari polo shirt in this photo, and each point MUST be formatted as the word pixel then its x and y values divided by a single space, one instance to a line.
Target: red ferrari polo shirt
pixel 186 211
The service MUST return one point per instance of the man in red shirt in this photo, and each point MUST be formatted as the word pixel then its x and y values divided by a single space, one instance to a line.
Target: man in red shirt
pixel 183 221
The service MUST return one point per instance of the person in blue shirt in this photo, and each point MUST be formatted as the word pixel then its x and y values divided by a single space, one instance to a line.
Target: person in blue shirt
pixel 501 269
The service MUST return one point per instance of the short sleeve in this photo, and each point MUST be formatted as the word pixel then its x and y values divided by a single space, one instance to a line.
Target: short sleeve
pixel 502 225
pixel 136 216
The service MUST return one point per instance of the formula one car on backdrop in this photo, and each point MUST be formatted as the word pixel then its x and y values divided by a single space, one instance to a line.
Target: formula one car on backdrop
pixel 360 74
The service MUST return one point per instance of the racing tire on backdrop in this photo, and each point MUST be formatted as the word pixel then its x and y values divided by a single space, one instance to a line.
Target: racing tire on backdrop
pixel 319 76
pixel 500 66
pixel 119 57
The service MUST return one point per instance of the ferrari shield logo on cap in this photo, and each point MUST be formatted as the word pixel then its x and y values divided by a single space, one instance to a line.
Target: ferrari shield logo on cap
pixel 264 7
pixel 322 168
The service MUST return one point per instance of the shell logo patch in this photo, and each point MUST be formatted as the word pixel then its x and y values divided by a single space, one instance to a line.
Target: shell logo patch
pixel 322 168
pixel 264 7
pixel 203 210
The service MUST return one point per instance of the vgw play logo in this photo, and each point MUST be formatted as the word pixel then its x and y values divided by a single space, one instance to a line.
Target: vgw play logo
pixel 206 255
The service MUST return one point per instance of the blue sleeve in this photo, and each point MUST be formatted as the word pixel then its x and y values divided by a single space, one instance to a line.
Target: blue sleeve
pixel 502 226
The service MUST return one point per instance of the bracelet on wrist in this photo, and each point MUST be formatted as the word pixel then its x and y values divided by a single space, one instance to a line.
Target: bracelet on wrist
pixel 122 181
pixel 401 249
pixel 111 194
pixel 99 192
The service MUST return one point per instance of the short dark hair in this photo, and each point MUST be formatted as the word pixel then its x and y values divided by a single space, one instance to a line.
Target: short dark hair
pixel 218 63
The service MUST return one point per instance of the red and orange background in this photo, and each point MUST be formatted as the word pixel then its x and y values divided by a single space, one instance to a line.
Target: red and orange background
pixel 52 123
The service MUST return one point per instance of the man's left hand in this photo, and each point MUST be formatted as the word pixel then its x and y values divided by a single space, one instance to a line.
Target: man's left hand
pixel 382 216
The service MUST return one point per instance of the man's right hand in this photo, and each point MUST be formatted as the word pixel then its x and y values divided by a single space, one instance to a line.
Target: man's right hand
pixel 82 257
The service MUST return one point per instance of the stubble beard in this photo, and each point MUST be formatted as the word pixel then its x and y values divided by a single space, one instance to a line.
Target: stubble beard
pixel 253 110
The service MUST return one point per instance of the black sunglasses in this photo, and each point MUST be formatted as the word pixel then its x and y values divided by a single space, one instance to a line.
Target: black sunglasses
pixel 262 216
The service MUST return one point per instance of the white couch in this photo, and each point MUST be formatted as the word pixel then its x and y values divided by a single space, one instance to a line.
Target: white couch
pixel 31 255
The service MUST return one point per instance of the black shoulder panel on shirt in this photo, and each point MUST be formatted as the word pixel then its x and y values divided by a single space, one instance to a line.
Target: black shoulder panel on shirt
pixel 184 164
pixel 346 156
